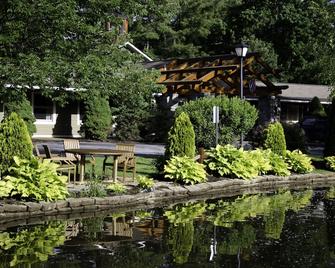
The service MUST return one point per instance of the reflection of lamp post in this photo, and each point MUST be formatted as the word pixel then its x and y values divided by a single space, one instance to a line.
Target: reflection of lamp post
pixel 241 51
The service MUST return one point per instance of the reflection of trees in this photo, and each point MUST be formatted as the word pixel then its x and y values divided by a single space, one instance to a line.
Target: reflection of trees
pixel 30 245
pixel 180 241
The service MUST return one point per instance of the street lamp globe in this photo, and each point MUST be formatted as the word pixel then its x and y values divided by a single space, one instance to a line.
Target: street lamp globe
pixel 241 50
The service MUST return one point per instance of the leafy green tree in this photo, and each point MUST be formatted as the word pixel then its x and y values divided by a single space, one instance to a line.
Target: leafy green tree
pixel 181 138
pixel 23 108
pixel 236 116
pixel 14 141
pixel 97 119
pixel 275 138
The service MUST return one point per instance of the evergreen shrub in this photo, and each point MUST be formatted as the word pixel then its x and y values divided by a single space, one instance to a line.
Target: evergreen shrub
pixel 275 138
pixel 330 141
pixel 97 118
pixel 236 117
pixel 14 141
pixel 316 108
pixel 24 109
pixel 295 137
pixel 181 138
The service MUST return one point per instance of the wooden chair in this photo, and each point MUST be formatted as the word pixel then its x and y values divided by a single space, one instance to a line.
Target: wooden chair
pixel 126 161
pixel 64 163
pixel 37 152
pixel 74 144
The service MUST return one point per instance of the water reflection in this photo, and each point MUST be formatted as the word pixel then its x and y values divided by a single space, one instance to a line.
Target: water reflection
pixel 287 229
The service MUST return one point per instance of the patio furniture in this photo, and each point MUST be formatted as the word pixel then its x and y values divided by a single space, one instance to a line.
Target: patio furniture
pixel 37 152
pixel 64 163
pixel 96 152
pixel 75 144
pixel 126 161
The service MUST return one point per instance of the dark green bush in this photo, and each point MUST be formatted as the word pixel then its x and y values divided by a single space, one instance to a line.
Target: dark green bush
pixel 295 137
pixel 181 138
pixel 316 108
pixel 24 109
pixel 97 118
pixel 14 141
pixel 236 117
pixel 275 138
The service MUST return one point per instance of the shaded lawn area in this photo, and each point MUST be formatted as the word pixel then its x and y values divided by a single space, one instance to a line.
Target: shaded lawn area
pixel 144 166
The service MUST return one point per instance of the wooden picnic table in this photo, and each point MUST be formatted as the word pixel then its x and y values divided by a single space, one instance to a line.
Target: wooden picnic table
pixel 100 152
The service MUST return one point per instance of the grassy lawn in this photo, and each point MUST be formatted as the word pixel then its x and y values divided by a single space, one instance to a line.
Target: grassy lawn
pixel 144 166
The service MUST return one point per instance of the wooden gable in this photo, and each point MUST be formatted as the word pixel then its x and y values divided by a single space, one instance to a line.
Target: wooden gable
pixel 218 75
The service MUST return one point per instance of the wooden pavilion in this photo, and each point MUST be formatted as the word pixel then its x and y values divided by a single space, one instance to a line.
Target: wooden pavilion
pixel 219 75
pixel 186 79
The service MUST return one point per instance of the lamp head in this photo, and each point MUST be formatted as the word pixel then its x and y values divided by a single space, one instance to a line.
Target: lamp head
pixel 241 50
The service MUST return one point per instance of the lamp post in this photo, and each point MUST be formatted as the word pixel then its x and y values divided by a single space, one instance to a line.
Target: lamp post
pixel 241 52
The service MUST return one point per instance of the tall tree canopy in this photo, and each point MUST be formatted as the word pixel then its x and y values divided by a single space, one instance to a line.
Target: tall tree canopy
pixel 295 35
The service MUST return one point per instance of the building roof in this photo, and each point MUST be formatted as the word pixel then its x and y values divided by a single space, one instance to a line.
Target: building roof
pixel 305 92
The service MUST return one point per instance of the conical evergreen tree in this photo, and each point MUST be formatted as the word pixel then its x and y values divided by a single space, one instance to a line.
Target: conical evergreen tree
pixel 181 138
pixel 316 108
pixel 275 138
pixel 14 141
pixel 330 141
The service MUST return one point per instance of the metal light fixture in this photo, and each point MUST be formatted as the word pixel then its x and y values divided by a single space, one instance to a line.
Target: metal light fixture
pixel 241 51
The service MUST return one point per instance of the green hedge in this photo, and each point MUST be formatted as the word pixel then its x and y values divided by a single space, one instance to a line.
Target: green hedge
pixel 236 117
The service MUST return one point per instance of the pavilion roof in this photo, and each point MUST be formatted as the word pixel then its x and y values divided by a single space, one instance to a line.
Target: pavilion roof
pixel 217 75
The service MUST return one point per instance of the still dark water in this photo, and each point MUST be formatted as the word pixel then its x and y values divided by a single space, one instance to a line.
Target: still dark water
pixel 286 229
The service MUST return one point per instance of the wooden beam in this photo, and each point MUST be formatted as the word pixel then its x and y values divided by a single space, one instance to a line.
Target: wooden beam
pixel 178 82
pixel 210 68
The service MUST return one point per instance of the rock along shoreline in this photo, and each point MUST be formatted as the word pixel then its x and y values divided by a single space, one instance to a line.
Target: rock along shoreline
pixel 164 194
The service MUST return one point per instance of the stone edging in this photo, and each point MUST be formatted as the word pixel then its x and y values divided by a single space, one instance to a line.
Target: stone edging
pixel 30 212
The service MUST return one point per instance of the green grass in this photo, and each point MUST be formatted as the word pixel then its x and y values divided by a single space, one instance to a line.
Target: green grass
pixel 144 166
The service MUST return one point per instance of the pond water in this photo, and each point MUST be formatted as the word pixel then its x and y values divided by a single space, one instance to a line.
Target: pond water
pixel 286 229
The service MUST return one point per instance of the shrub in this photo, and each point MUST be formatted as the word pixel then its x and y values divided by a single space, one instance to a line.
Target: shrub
pixel 236 117
pixel 295 137
pixel 34 180
pixel 145 183
pixel 97 118
pixel 95 188
pixel 117 188
pixel 24 109
pixel 275 138
pixel 185 170
pixel 330 162
pixel 298 162
pixel 232 162
pixel 181 138
pixel 316 108
pixel 278 165
pixel 14 141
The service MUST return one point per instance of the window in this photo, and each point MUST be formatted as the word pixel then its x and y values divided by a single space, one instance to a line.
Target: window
pixel 44 109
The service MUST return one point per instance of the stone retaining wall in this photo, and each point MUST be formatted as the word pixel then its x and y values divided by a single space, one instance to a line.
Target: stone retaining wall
pixel 31 213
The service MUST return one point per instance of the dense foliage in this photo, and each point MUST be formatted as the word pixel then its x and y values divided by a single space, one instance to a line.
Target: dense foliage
pixel 236 117
pixel 295 36
pixel 295 137
pixel 185 170
pixel 14 141
pixel 275 138
pixel 298 162
pixel 97 121
pixel 237 163
pixel 181 138
pixel 31 245
pixel 330 162
pixel 33 180
pixel 23 108
pixel 316 108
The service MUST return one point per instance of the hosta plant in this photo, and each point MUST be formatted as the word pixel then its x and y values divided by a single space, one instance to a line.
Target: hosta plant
pixel 298 162
pixel 117 188
pixel 185 170
pixel 232 162
pixel 145 183
pixel 33 180
pixel 330 162
pixel 278 165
